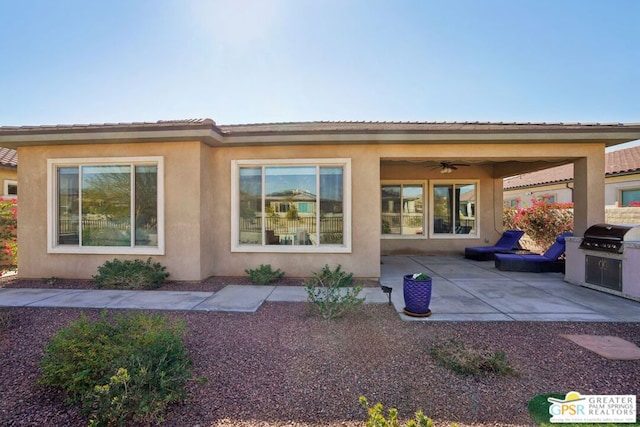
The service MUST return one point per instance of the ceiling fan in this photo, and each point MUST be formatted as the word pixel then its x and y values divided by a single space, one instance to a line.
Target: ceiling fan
pixel 448 167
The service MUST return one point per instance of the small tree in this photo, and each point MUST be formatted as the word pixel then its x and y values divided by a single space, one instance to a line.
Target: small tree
pixel 542 222
pixel 292 213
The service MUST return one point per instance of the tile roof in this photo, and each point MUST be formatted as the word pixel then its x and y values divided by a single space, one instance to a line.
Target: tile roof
pixel 618 162
pixel 318 126
pixel 8 157
pixel 121 126
pixel 416 126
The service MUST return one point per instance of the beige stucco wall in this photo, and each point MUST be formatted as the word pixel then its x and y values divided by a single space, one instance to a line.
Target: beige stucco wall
pixel 198 203
pixel 363 261
pixel 182 210
pixel 198 212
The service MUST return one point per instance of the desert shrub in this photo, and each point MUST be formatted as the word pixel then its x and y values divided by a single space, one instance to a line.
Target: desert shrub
pixel 6 317
pixel 128 274
pixel 264 274
pixel 471 361
pixel 378 419
pixel 8 239
pixel 331 292
pixel 542 222
pixel 120 370
pixel 337 277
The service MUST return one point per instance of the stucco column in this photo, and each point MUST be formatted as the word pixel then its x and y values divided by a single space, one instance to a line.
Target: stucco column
pixel 588 193
pixel 498 206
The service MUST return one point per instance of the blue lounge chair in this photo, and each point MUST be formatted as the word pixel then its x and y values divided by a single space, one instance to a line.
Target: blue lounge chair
pixel 508 241
pixel 548 262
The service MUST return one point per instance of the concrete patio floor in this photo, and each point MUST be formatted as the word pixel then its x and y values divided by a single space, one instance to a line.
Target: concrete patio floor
pixel 466 290
pixel 463 290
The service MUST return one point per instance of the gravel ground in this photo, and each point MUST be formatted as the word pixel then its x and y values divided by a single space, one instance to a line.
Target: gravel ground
pixel 283 366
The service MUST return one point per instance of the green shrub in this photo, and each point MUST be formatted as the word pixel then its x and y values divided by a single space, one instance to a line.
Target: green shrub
pixel 120 370
pixel 378 419
pixel 336 277
pixel 6 318
pixel 470 361
pixel 264 275
pixel 331 293
pixel 136 274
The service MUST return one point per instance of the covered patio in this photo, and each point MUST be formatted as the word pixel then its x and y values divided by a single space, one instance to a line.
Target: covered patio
pixel 466 290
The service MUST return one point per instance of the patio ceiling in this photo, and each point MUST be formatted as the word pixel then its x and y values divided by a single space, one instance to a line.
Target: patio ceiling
pixel 500 168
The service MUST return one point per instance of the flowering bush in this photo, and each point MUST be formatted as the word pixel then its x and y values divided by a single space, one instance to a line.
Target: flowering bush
pixel 542 222
pixel 8 239
pixel 635 204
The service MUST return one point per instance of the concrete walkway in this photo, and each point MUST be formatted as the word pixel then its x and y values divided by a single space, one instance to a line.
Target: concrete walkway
pixel 463 290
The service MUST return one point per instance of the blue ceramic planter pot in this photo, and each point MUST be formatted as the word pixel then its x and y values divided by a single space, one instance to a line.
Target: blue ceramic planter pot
pixel 417 294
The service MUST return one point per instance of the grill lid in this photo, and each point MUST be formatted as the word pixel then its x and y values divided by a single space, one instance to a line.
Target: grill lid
pixel 609 231
pixel 613 232
pixel 609 237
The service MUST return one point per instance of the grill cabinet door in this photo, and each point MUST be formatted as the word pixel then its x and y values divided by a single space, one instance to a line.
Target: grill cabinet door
pixel 603 271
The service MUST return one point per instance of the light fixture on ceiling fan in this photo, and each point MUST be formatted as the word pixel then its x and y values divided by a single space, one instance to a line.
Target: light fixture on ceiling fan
pixel 448 167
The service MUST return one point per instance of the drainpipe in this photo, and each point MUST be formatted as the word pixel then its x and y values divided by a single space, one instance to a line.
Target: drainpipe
pixel 570 187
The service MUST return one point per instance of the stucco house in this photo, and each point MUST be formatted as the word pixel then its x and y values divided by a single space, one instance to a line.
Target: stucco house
pixel 622 182
pixel 207 199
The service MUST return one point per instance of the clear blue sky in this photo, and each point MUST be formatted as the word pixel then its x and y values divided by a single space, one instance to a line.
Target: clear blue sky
pixel 240 61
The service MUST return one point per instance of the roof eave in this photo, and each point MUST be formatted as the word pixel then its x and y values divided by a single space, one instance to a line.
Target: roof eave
pixel 608 138
pixel 207 136
pixel 211 134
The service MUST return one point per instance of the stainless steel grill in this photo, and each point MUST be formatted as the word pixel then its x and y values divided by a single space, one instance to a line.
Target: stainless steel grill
pixel 609 237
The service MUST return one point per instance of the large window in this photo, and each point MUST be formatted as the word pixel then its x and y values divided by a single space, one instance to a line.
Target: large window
pixel 282 206
pixel 106 205
pixel 453 208
pixel 402 209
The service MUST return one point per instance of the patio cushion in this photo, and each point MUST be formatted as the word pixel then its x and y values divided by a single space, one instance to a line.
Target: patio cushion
pixel 507 241
pixel 557 249
pixel 548 262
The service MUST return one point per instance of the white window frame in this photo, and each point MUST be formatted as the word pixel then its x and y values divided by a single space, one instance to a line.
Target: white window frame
pixel 425 211
pixel 345 247
pixel 7 183
pixel 52 202
pixel 432 184
pixel 621 193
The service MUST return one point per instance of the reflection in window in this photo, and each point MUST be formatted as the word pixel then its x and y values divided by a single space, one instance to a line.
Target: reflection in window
pixel 402 209
pixel 454 208
pixel 291 205
pixel 68 206
pixel 146 205
pixel 107 205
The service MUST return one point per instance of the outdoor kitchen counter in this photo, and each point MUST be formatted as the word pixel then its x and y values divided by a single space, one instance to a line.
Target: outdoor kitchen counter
pixel 628 263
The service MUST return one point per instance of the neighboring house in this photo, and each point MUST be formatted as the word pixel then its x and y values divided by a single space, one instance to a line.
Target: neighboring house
pixel 9 172
pixel 206 199
pixel 622 182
